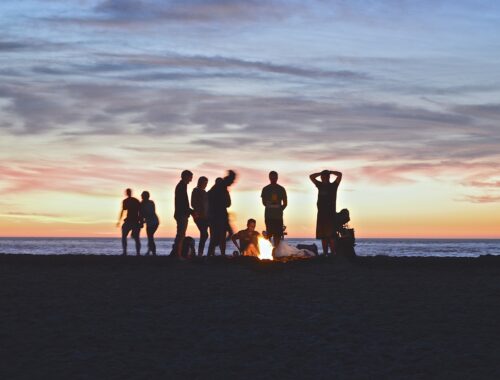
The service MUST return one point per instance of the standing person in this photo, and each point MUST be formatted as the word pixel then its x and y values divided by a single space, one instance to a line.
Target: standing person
pixel 249 240
pixel 199 202
pixel 219 200
pixel 327 208
pixel 182 211
pixel 275 200
pixel 148 213
pixel 132 221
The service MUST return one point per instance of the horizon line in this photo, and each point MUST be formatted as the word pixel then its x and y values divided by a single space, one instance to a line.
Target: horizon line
pixel 290 238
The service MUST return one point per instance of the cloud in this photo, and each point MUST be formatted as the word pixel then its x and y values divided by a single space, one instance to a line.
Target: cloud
pixel 482 198
pixel 319 128
pixel 120 13
pixel 486 111
pixel 8 46
pixel 34 214
pixel 94 175
pixel 175 67
pixel 38 111
pixel 20 45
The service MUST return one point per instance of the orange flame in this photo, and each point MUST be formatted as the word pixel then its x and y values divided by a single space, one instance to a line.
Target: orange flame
pixel 265 249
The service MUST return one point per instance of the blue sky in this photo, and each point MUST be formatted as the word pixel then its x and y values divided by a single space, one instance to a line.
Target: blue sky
pixel 400 95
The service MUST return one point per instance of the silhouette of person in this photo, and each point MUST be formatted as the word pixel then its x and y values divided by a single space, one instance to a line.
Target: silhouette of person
pixel 199 202
pixel 132 221
pixel 219 200
pixel 249 240
pixel 148 213
pixel 188 250
pixel 327 208
pixel 275 200
pixel 182 211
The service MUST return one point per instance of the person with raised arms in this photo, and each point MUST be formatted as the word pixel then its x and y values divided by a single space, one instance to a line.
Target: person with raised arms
pixel 326 226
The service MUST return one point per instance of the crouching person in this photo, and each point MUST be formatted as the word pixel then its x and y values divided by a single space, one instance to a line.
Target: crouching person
pixel 247 241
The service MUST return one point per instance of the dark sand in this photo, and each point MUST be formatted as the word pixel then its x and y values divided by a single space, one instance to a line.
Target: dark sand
pixel 85 317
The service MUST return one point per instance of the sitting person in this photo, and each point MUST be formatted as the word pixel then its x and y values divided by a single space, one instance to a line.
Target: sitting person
pixel 188 250
pixel 248 240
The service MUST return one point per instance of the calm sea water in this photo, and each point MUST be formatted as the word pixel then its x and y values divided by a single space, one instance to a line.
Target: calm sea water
pixel 364 247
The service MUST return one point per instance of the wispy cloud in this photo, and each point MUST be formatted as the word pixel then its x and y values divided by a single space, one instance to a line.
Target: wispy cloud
pixel 482 198
pixel 119 13
pixel 95 175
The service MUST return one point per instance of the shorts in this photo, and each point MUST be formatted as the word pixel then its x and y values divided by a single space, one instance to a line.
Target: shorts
pixel 274 227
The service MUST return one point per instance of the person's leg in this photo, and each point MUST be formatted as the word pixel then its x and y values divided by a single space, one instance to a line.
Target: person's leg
pixel 182 224
pixel 203 228
pixel 211 245
pixel 135 234
pixel 125 231
pixel 332 246
pixel 222 242
pixel 251 250
pixel 229 231
pixel 153 243
pixel 148 234
pixel 150 231
pixel 277 240
pixel 324 243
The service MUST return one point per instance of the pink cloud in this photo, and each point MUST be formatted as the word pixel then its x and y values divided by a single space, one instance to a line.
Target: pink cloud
pixel 88 175
pixel 482 198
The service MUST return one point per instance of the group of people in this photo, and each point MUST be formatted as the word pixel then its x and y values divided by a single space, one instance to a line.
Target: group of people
pixel 138 214
pixel 209 212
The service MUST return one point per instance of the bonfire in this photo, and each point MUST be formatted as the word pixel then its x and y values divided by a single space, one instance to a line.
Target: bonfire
pixel 265 249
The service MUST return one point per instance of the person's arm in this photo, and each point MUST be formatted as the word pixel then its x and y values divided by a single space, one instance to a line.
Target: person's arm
pixel 120 217
pixel 187 205
pixel 234 238
pixel 285 200
pixel 141 215
pixel 313 177
pixel 262 196
pixel 230 178
pixel 196 203
pixel 338 175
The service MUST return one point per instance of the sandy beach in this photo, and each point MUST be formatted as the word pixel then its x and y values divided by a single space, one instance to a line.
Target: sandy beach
pixel 96 317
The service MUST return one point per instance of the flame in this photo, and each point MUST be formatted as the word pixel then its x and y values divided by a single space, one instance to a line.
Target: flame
pixel 265 249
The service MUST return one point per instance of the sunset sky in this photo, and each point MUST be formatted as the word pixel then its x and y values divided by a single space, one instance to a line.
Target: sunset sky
pixel 403 97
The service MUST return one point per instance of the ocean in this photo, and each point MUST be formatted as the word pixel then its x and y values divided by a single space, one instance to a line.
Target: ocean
pixel 364 247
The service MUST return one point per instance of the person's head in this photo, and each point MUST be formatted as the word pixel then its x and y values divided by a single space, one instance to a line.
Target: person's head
pixel 273 177
pixel 251 223
pixel 218 180
pixel 325 176
pixel 202 183
pixel 145 195
pixel 187 176
pixel 128 192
